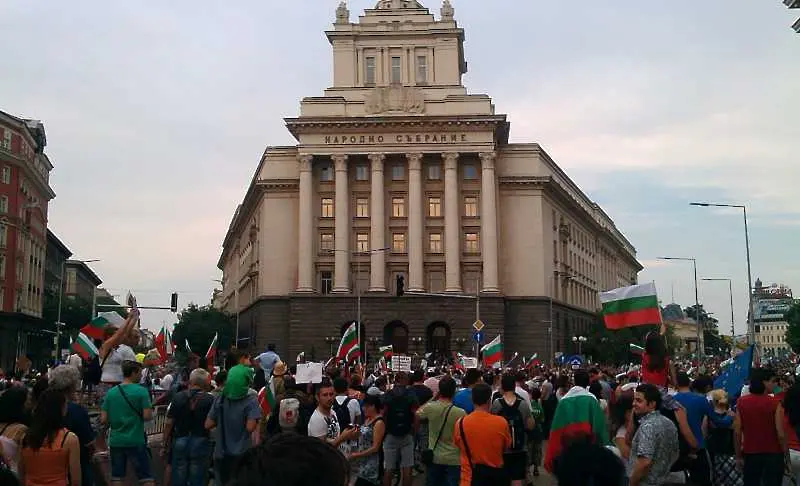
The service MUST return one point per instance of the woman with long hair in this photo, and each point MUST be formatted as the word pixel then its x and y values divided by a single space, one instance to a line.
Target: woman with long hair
pixel 370 444
pixel 14 420
pixel 51 454
pixel 719 442
pixel 787 420
pixel 621 421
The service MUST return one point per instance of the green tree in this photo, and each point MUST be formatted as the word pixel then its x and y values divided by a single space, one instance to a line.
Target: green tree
pixel 197 325
pixel 793 331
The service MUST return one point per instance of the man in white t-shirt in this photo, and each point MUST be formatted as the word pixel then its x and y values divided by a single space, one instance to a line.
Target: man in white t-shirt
pixel 323 423
pixel 519 390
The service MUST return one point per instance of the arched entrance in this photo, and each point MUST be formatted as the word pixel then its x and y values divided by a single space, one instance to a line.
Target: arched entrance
pixel 396 334
pixel 438 339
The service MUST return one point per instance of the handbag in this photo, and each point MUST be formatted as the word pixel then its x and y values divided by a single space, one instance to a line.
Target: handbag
pixel 427 454
pixel 482 475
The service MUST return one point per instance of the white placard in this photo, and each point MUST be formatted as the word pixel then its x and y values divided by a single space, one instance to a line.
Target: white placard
pixel 309 373
pixel 401 363
pixel 469 362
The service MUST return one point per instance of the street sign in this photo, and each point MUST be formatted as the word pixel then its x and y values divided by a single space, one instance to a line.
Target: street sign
pixel 478 325
pixel 575 361
pixel 477 336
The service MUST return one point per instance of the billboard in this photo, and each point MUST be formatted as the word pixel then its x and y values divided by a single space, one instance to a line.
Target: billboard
pixel 771 309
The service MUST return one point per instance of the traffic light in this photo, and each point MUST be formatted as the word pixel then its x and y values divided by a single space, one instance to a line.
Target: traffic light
pixel 173 304
pixel 400 285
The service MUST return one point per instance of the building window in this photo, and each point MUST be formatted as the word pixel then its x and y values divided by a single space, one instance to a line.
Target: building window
pixel 326 282
pixel 436 281
pixel 326 241
pixel 326 173
pixel 434 172
pixel 3 236
pixel 422 70
pixel 435 207
pixel 6 142
pixel 435 240
pixel 398 174
pixel 362 242
pixel 471 243
pixel 361 172
pixel 470 172
pixel 362 207
pixel 2 267
pixel 327 207
pixel 471 206
pixel 369 70
pixel 398 207
pixel 399 243
pixel 396 73
pixel 20 268
pixel 3 204
pixel 5 175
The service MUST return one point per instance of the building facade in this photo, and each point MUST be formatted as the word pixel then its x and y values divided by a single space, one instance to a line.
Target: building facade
pixel 80 281
pixel 770 307
pixel 400 173
pixel 24 197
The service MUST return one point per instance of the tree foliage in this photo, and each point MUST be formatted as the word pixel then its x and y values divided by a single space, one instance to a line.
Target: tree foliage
pixel 607 346
pixel 198 324
pixel 793 329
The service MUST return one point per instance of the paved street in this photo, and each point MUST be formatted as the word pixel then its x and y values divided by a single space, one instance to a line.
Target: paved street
pixel 543 480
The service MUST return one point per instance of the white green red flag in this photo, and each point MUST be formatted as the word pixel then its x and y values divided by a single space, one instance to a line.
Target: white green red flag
pixel 266 398
pixel 211 354
pixel 164 343
pixel 492 352
pixel 533 361
pixel 97 326
pixel 84 346
pixel 578 414
pixel 636 305
pixel 348 347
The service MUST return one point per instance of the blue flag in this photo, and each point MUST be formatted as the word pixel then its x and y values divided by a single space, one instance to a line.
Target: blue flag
pixel 735 375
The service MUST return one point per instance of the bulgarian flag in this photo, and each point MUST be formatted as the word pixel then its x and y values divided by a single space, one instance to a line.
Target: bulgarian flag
pixel 84 346
pixel 533 361
pixel 492 352
pixel 578 414
pixel 266 398
pixel 97 326
pixel 636 305
pixel 164 343
pixel 211 354
pixel 348 348
pixel 387 351
pixel 635 349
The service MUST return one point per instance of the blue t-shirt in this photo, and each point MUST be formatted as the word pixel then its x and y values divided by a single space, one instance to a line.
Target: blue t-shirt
pixel 697 408
pixel 267 361
pixel 236 414
pixel 463 400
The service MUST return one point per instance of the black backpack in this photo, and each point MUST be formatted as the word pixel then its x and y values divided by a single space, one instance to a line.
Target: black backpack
pixel 399 417
pixel 516 423
pixel 342 412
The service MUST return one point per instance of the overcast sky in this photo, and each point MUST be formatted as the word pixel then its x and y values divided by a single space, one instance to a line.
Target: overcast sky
pixel 157 114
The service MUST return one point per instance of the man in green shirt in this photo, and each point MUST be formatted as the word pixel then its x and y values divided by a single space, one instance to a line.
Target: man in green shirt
pixel 442 415
pixel 125 409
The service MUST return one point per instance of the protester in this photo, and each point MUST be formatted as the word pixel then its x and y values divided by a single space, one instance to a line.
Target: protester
pixel 655 444
pixel 323 423
pixel 698 410
pixel 758 450
pixel 583 462
pixel 400 406
pixel 14 420
pixel 537 436
pixel 125 409
pixel 463 398
pixel 268 359
pixel 719 442
pixel 369 452
pixel 482 439
pixel 51 454
pixel 185 435
pixel 621 421
pixel 116 349
pixel 788 421
pixel 67 379
pixel 517 413
pixel 441 415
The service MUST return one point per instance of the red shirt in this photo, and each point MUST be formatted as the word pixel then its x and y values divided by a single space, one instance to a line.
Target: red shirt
pixel 757 416
pixel 656 377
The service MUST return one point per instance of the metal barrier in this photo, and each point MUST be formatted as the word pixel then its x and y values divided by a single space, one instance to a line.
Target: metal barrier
pixel 156 426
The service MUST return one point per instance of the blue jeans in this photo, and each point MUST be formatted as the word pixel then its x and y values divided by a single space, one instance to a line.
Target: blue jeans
pixel 441 475
pixel 140 458
pixel 190 459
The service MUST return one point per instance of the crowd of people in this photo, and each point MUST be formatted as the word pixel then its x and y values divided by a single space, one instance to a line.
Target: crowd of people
pixel 250 422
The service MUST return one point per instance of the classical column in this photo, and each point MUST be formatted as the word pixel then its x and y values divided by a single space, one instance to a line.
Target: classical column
pixel 341 272
pixel 452 224
pixel 377 229
pixel 489 223
pixel 415 253
pixel 305 253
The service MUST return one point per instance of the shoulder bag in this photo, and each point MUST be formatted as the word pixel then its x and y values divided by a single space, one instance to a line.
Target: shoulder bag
pixel 137 412
pixel 427 454
pixel 482 475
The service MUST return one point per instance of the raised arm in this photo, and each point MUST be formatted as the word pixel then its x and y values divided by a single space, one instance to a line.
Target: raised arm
pixel 119 334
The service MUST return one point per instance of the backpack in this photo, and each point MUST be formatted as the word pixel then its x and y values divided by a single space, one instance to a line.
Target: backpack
pixel 516 423
pixel 342 412
pixel 399 418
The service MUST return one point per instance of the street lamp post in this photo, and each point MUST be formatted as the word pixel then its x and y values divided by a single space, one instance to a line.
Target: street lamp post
pixel 330 340
pixel 60 297
pixel 358 286
pixel 700 350
pixel 730 290
pixel 579 340
pixel 567 276
pixel 751 329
